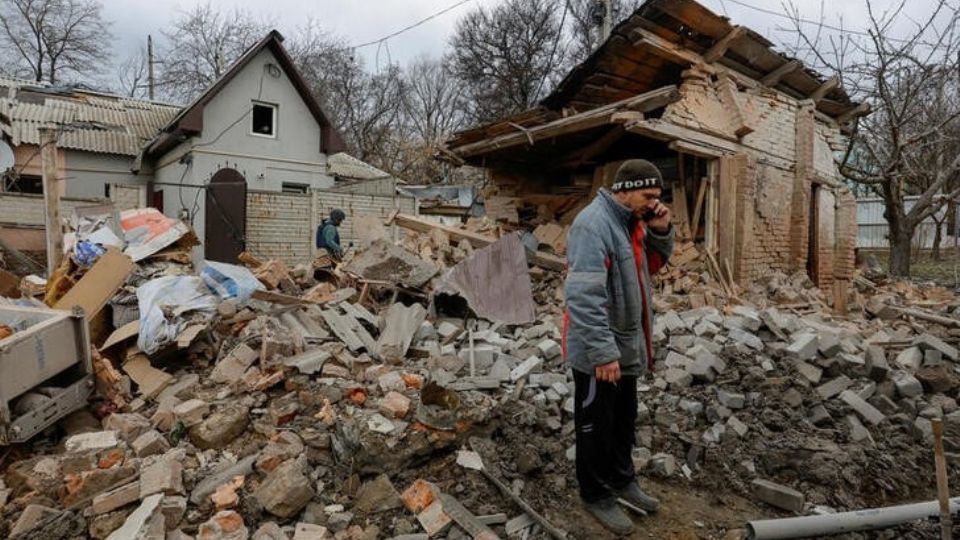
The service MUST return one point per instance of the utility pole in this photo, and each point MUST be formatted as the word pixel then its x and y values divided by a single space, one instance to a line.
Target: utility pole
pixel 607 26
pixel 150 79
pixel 51 196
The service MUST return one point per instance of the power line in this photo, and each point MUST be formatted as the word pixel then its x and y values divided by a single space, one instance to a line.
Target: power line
pixel 412 26
pixel 553 52
pixel 817 23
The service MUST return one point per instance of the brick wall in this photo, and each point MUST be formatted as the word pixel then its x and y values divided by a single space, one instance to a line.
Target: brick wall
pixel 126 197
pixel 788 149
pixel 283 225
pixel 20 209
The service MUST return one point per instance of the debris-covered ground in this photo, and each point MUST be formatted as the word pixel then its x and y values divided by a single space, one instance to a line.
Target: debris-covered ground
pixel 359 401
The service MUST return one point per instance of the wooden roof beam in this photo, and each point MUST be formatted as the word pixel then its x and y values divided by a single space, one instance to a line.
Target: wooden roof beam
pixel 771 79
pixel 828 86
pixel 665 49
pixel 571 124
pixel 719 48
pixel 666 131
pixel 727 89
pixel 862 109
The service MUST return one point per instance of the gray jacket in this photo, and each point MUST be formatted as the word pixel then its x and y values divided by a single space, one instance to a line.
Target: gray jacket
pixel 606 296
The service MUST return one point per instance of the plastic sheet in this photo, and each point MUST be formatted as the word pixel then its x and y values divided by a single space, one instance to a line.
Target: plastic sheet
pixel 230 280
pixel 164 303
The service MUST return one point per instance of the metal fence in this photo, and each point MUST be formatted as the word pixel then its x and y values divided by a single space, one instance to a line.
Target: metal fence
pixel 873 230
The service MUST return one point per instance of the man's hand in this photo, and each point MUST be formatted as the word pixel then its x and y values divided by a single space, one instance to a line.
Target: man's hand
pixel 609 372
pixel 660 223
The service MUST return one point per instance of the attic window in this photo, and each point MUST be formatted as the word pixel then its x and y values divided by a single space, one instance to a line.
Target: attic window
pixel 264 120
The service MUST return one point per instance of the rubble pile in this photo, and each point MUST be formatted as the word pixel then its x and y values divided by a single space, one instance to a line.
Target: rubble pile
pixel 357 401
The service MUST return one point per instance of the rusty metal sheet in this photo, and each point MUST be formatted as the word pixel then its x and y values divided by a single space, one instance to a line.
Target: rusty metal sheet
pixel 495 282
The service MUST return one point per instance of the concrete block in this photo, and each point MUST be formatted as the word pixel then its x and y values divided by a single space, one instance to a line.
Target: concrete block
pixel 376 496
pixel 116 498
pixel 702 370
pixel 731 400
pixel 483 356
pixel 677 360
pixel 706 329
pixel 663 465
pixel 778 495
pixel 736 426
pixel 549 349
pixel 876 362
pixel 910 359
pixel 150 443
pixel 819 416
pixel 746 338
pixel 829 344
pixel 309 531
pixel 163 474
pixel 885 405
pixel 809 372
pixel 928 342
pixel 434 520
pixel 907 385
pixel 525 368
pixel 865 410
pixel 92 442
pixel 286 490
pixel 693 408
pixel 858 432
pixel 128 426
pixel 221 427
pixel 750 315
pixel 191 412
pixel 677 378
pixel 803 347
pixel 932 357
pixel 174 508
pixel 672 322
pixel 833 388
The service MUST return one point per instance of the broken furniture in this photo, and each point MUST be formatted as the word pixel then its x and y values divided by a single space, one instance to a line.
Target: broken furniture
pixel 47 349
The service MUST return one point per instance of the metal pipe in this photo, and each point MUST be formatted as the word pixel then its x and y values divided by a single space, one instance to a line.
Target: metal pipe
pixel 858 520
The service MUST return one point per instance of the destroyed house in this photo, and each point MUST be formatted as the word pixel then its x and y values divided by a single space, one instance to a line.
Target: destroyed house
pixel 745 138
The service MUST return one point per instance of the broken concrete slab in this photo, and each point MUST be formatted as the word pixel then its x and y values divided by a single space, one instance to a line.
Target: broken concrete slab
pixel 109 501
pixel 162 474
pixel 385 261
pixel 907 385
pixel 833 387
pixel 803 347
pixel 865 410
pixel 928 342
pixel 92 442
pixel 525 368
pixel 220 428
pixel 910 359
pixel 377 495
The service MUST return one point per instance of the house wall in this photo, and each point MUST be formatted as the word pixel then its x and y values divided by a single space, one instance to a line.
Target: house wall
pixel 283 225
pixel 379 186
pixel 293 156
pixel 88 174
pixel 29 210
pixel 789 149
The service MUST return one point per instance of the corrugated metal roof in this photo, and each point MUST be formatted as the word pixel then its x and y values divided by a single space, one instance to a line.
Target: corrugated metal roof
pixel 90 121
pixel 343 165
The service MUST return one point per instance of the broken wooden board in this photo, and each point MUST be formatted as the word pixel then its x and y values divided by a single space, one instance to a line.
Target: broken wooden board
pixel 125 332
pixel 400 325
pixel 278 298
pixel 189 334
pixel 150 379
pixel 99 284
pixel 477 240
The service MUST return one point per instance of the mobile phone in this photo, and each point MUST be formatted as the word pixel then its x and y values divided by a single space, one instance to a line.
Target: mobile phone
pixel 648 215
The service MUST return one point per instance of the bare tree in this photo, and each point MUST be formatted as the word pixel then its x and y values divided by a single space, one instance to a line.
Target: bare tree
pixel 201 45
pixel 910 143
pixel 508 56
pixel 132 75
pixel 47 40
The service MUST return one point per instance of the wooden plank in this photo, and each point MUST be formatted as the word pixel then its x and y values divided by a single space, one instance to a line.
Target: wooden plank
pixel 771 79
pixel 99 284
pixel 727 201
pixel 578 122
pixel 52 185
pixel 150 379
pixel 665 131
pixel 698 208
pixel 728 96
pixel 860 110
pixel 828 86
pixel 477 240
pixel 720 47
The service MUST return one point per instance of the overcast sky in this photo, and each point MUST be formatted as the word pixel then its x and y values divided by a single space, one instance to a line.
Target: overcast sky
pixel 361 21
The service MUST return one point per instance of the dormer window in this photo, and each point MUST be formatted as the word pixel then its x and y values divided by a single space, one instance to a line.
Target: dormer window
pixel 264 121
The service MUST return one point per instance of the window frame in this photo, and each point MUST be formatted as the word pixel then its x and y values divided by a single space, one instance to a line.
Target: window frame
pixel 274 108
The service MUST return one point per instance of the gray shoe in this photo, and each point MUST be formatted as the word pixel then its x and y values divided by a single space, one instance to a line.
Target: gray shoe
pixel 635 496
pixel 610 516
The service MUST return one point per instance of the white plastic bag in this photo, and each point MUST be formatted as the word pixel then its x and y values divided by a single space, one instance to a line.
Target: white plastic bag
pixel 230 280
pixel 163 302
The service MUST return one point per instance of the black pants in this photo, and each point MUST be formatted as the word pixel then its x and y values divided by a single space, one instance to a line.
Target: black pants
pixel 604 415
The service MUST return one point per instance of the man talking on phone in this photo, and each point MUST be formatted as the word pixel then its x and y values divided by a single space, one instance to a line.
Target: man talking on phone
pixel 615 244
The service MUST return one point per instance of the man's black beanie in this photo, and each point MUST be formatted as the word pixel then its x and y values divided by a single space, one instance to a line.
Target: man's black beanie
pixel 636 174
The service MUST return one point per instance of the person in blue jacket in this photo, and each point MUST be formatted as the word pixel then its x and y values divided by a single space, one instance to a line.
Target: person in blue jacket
pixel 328 237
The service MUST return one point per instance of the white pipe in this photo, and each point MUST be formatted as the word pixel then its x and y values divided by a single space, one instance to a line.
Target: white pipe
pixel 858 520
